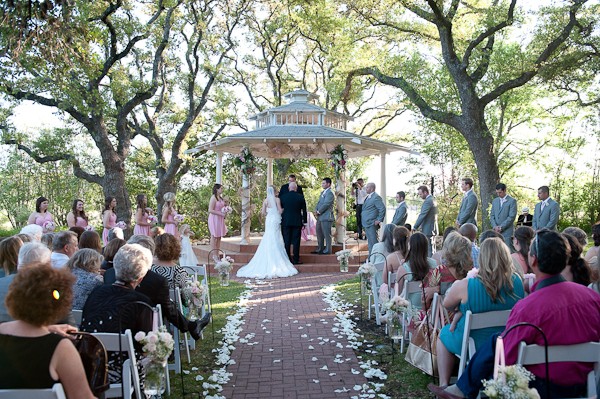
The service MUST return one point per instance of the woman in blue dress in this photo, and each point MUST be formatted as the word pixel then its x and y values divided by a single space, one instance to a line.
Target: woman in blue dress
pixel 495 287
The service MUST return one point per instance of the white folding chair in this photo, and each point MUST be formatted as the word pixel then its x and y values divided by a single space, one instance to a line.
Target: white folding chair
pixel 130 378
pixel 375 290
pixel 196 272
pixel 410 287
pixel 77 314
pixel 477 321
pixel 392 283
pixel 56 392
pixel 588 352
pixel 175 295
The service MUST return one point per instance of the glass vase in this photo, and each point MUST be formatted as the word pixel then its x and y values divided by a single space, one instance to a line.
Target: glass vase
pixel 344 266
pixel 394 326
pixel 224 279
pixel 365 286
pixel 155 381
pixel 192 312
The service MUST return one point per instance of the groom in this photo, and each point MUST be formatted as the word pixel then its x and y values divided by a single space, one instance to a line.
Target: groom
pixel 292 220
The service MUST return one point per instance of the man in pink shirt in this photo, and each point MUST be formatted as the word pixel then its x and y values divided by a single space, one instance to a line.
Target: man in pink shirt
pixel 568 313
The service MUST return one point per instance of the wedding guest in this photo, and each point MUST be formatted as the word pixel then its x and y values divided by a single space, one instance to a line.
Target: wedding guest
pixel 156 231
pixel 142 215
pixel 110 251
pixel 594 251
pixel 216 220
pixel 400 252
pixel 416 266
pixel 9 255
pixel 490 234
pixel 47 239
pixel 469 230
pixel 115 232
pixel 64 246
pixel 90 239
pixel 579 234
pixel 577 269
pixel 385 247
pixel 77 230
pixel 525 219
pixel 34 232
pixel 27 237
pixel 169 214
pixel 31 355
pixel 77 216
pixel 41 216
pixel 439 255
pixel 85 266
pixel 109 217
pixel 522 239
pixel 166 256
pixel 495 287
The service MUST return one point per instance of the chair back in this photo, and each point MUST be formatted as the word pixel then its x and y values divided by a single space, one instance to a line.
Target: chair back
pixel 114 342
pixel 56 392
pixel 77 315
pixel 195 271
pixel 477 321
pixel 375 291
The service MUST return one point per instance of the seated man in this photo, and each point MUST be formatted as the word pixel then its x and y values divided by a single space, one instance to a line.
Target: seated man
pixel 554 305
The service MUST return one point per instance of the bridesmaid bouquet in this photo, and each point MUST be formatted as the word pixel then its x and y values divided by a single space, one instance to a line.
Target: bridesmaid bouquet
pixel 121 224
pixel 89 227
pixel 179 218
pixel 49 226
pixel 227 210
pixel 152 219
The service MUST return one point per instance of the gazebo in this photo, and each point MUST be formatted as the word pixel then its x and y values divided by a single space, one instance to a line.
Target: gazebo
pixel 300 129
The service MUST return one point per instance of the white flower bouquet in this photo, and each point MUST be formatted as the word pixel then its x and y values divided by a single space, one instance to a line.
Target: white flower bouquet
pixel 512 383
pixel 366 271
pixel 224 265
pixel 179 218
pixel 343 256
pixel 158 345
pixel 121 224
pixel 194 292
pixel 89 227
pixel 227 209
pixel 49 226
pixel 396 304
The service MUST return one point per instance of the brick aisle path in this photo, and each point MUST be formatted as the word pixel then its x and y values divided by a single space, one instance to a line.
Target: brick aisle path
pixel 289 351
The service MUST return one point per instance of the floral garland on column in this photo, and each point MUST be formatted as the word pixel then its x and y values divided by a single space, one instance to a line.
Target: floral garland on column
pixel 338 157
pixel 245 161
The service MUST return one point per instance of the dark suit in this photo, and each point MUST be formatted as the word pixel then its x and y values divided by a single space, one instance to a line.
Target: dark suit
pixel 293 218
pixel 156 287
pixel 286 189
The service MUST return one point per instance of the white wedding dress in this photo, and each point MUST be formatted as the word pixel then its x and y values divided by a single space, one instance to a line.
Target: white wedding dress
pixel 270 259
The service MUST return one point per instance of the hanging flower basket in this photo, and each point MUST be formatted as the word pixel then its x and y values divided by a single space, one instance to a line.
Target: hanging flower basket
pixel 338 158
pixel 245 162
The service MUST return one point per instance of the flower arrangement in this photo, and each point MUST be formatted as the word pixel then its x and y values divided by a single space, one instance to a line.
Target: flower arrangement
pixel 366 271
pixel 245 161
pixel 396 304
pixel 49 226
pixel 227 209
pixel 194 292
pixel 179 218
pixel 224 265
pixel 152 219
pixel 338 157
pixel 158 345
pixel 122 225
pixel 512 383
pixel 343 256
pixel 89 227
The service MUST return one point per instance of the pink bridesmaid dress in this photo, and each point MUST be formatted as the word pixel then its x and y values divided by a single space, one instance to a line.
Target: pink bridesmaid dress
pixel 171 227
pixel 81 222
pixel 142 230
pixel 112 221
pixel 216 223
pixel 40 220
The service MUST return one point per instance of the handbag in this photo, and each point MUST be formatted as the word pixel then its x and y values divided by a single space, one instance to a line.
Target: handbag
pixel 95 361
pixel 421 351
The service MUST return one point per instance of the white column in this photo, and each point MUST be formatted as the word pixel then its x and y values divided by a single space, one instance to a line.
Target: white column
pixel 219 167
pixel 382 187
pixel 269 171
pixel 246 211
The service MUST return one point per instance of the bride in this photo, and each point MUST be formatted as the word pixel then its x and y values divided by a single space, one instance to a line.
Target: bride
pixel 270 259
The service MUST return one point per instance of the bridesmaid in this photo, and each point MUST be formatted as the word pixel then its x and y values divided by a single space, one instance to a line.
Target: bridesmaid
pixel 216 219
pixel 41 216
pixel 109 217
pixel 168 215
pixel 77 216
pixel 142 213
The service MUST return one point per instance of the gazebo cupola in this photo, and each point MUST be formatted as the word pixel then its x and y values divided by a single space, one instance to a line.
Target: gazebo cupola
pixel 300 110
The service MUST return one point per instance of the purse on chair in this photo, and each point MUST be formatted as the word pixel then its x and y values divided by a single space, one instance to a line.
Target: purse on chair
pixel 421 351
pixel 95 361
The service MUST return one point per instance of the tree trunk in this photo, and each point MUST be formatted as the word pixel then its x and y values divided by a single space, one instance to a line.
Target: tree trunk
pixel 114 186
pixel 482 147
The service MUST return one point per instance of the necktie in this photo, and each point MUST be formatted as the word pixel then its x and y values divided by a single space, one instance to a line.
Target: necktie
pixel 543 205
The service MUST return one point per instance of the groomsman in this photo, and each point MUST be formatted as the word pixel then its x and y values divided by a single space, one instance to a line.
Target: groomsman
pixel 286 187
pixel 427 218
pixel 373 213
pixel 402 211
pixel 468 206
pixel 324 215
pixel 546 212
pixel 503 214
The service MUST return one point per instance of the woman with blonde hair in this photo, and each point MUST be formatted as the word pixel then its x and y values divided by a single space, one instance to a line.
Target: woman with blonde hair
pixel 216 218
pixel 142 214
pixel 169 213
pixel 495 287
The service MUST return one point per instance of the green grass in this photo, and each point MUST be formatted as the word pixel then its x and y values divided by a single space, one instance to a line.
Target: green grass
pixel 224 300
pixel 404 381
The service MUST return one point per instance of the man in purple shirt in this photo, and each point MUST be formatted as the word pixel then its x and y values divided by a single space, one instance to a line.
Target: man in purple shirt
pixel 568 313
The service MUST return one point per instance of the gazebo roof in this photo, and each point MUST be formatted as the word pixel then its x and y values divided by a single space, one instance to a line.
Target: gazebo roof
pixel 300 129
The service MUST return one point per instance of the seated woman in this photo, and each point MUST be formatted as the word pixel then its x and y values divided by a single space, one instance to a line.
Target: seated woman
pixel 90 239
pixel 522 239
pixel 109 252
pixel 456 263
pixel 416 267
pixel 438 257
pixel 85 266
pixel 382 249
pixel 166 256
pixel 395 259
pixel 9 255
pixel 31 356
pixel 577 269
pixel 496 287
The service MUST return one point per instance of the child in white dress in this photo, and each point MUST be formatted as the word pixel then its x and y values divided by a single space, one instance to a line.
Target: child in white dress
pixel 187 258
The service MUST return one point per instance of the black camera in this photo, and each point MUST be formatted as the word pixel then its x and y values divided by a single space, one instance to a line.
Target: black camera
pixel 354 186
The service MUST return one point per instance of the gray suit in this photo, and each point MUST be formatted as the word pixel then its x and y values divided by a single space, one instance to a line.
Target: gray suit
pixel 468 209
pixel 4 283
pixel 400 215
pixel 427 219
pixel 504 217
pixel 324 220
pixel 373 209
pixel 548 218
